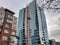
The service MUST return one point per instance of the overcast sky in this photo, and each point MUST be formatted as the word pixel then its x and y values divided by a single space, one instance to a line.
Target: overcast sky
pixel 53 23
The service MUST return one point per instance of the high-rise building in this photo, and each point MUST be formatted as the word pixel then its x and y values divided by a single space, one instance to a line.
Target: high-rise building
pixel 32 27
pixel 7 26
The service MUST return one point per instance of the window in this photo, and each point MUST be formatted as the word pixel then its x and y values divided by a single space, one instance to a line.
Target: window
pixel 14 18
pixel 10 21
pixel 14 28
pixel 14 23
pixel 1 24
pixel 6 31
pixel 0 18
pixel 0 14
pixel 39 42
pixel 9 16
pixel 13 33
pixel 45 42
pixel 4 38
pixel 7 25
pixel 12 39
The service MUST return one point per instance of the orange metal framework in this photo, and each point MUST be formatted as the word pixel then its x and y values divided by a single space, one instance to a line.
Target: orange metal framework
pixel 28 26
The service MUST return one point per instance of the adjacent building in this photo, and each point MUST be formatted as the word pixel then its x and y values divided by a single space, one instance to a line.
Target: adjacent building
pixel 7 26
pixel 52 42
pixel 32 27
pixel 57 43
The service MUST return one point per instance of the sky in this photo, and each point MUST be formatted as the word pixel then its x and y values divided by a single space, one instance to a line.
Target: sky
pixel 53 20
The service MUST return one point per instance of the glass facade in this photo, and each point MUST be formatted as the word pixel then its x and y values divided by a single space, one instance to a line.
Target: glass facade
pixel 34 24
pixel 38 28
pixel 21 27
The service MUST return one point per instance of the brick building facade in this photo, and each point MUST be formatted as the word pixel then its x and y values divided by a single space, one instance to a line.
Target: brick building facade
pixel 7 26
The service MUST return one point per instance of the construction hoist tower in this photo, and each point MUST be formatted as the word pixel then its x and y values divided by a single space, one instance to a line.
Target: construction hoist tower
pixel 28 26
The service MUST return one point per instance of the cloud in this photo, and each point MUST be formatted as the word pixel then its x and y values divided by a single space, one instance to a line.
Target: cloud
pixel 0 1
pixel 53 24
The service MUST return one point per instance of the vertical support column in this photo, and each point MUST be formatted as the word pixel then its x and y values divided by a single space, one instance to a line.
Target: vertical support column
pixel 28 26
